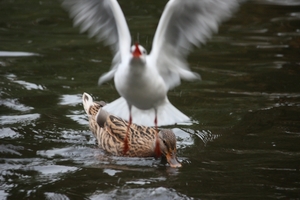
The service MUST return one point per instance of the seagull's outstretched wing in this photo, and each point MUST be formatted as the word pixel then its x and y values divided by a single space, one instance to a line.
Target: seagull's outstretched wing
pixel 105 20
pixel 185 23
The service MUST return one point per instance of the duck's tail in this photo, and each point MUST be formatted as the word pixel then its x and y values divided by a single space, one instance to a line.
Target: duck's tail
pixel 167 114
pixel 90 106
pixel 87 102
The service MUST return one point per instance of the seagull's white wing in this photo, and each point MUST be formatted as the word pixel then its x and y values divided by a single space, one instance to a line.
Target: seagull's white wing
pixel 185 23
pixel 105 20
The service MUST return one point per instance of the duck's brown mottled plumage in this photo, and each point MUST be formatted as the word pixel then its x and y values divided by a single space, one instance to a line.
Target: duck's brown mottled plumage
pixel 110 132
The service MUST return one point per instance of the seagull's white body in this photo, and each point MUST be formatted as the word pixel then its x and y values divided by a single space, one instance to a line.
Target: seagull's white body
pixel 144 80
pixel 138 92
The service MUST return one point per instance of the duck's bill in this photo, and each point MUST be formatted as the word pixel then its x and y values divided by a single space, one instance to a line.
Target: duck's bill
pixel 172 160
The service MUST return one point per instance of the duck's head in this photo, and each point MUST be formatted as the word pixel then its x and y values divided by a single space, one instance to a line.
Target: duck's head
pixel 138 52
pixel 167 141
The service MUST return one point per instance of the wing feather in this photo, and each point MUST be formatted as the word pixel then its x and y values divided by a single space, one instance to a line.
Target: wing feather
pixel 104 20
pixel 182 25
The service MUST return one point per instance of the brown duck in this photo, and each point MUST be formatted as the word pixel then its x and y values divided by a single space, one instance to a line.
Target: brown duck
pixel 110 132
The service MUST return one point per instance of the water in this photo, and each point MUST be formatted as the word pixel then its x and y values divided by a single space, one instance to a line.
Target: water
pixel 245 146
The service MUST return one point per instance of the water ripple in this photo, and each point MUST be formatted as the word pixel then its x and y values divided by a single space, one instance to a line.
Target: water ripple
pixel 24 119
pixel 15 105
pixel 55 196
pixel 140 193
pixel 16 54
pixel 10 149
pixel 53 169
pixel 27 85
pixel 279 2
pixel 70 99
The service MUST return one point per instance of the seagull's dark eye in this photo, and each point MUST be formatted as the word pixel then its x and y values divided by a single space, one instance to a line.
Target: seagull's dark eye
pixel 144 52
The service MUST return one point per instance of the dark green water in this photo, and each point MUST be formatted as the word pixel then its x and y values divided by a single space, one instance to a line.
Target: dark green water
pixel 247 142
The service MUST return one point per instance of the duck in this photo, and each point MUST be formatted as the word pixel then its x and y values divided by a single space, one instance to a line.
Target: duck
pixel 110 131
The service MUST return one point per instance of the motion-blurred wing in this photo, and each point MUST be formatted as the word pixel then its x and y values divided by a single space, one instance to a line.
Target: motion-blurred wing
pixel 104 20
pixel 185 23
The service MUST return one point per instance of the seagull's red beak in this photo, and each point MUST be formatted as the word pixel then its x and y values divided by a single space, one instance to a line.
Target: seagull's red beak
pixel 137 52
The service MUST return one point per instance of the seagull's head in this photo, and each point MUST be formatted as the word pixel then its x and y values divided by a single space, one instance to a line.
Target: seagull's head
pixel 138 52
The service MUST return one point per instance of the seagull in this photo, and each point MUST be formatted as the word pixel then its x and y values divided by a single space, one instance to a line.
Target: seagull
pixel 143 80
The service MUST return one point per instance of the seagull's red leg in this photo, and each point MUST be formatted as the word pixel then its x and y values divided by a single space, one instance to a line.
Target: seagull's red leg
pixel 126 145
pixel 157 147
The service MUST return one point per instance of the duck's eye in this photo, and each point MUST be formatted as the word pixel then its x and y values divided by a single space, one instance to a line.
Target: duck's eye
pixel 165 143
